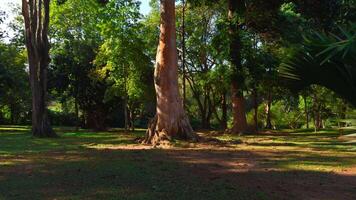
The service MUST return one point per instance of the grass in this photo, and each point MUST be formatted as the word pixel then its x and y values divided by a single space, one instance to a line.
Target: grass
pixel 110 165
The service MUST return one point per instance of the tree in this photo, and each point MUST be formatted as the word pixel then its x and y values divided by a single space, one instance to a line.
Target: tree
pixel 2 18
pixel 200 60
pixel 170 120
pixel 14 76
pixel 74 74
pixel 237 97
pixel 36 17
pixel 327 60
pixel 122 45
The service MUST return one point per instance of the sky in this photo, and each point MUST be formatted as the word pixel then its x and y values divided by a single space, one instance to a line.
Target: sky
pixel 5 6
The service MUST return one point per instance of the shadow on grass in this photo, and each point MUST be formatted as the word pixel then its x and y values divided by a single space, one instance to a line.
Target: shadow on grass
pixel 165 174
pixel 66 168
pixel 15 141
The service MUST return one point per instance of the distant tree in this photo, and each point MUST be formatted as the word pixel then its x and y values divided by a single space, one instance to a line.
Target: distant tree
pixel 2 18
pixel 13 76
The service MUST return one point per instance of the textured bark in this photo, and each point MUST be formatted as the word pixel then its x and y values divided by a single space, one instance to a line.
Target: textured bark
pixel 36 17
pixel 183 54
pixel 171 120
pixel 237 98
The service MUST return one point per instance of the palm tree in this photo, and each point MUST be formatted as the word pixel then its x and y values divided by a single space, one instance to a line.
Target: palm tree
pixel 328 60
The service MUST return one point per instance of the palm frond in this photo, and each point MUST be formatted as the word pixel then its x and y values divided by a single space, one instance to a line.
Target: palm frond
pixel 326 59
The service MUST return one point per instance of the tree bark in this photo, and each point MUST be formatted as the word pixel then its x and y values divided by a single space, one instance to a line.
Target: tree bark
pixel 76 110
pixel 170 120
pixel 306 110
pixel 183 54
pixel 268 111
pixel 317 116
pixel 36 17
pixel 255 105
pixel 237 97
pixel 224 111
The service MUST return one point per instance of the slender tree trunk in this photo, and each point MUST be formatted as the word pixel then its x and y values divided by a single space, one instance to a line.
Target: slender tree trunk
pixel 255 105
pixel 77 120
pixel 224 111
pixel 343 114
pixel 237 97
pixel 306 110
pixel 268 111
pixel 36 17
pixel 171 120
pixel 132 119
pixel 12 113
pixel 316 108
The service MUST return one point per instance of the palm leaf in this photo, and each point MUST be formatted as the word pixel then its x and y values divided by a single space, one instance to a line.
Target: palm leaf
pixel 327 60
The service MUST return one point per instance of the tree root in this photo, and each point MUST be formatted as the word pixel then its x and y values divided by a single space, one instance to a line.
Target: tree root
pixel 163 137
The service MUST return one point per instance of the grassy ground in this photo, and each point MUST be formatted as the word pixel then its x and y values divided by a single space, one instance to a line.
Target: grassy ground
pixel 111 165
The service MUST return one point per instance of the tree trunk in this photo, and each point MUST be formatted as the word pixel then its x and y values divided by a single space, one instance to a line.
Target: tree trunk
pixel 238 100
pixel 183 54
pixel 170 120
pixel 224 111
pixel 96 119
pixel 238 110
pixel 306 110
pixel 12 113
pixel 343 114
pixel 36 17
pixel 255 105
pixel 316 108
pixel 77 121
pixel 268 111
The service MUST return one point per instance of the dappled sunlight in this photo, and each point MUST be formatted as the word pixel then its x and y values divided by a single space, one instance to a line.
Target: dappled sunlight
pixel 114 163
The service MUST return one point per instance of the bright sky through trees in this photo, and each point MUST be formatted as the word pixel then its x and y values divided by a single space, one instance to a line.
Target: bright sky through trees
pixel 6 5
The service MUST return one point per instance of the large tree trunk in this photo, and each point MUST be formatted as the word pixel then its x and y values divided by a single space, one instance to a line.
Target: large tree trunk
pixel 171 120
pixel 237 98
pixel 36 17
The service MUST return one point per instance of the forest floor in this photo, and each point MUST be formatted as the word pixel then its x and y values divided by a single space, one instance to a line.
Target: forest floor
pixel 111 165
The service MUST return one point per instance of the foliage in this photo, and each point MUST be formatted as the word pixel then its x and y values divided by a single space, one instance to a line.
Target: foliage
pixel 327 60
pixel 14 86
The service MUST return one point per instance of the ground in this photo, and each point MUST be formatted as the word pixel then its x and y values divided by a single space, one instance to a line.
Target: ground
pixel 112 165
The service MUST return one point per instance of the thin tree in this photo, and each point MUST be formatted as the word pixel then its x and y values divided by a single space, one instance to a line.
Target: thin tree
pixel 170 120
pixel 36 17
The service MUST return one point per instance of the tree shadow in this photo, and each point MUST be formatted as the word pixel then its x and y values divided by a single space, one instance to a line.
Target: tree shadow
pixel 82 165
pixel 168 174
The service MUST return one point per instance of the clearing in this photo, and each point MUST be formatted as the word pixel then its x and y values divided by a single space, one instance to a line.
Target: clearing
pixel 111 165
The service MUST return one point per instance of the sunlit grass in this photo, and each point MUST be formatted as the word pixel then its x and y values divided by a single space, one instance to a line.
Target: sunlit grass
pixel 99 165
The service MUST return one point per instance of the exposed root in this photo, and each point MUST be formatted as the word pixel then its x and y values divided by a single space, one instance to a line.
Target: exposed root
pixel 163 137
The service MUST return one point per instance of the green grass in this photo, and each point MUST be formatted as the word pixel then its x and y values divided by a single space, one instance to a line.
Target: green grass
pixel 106 165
